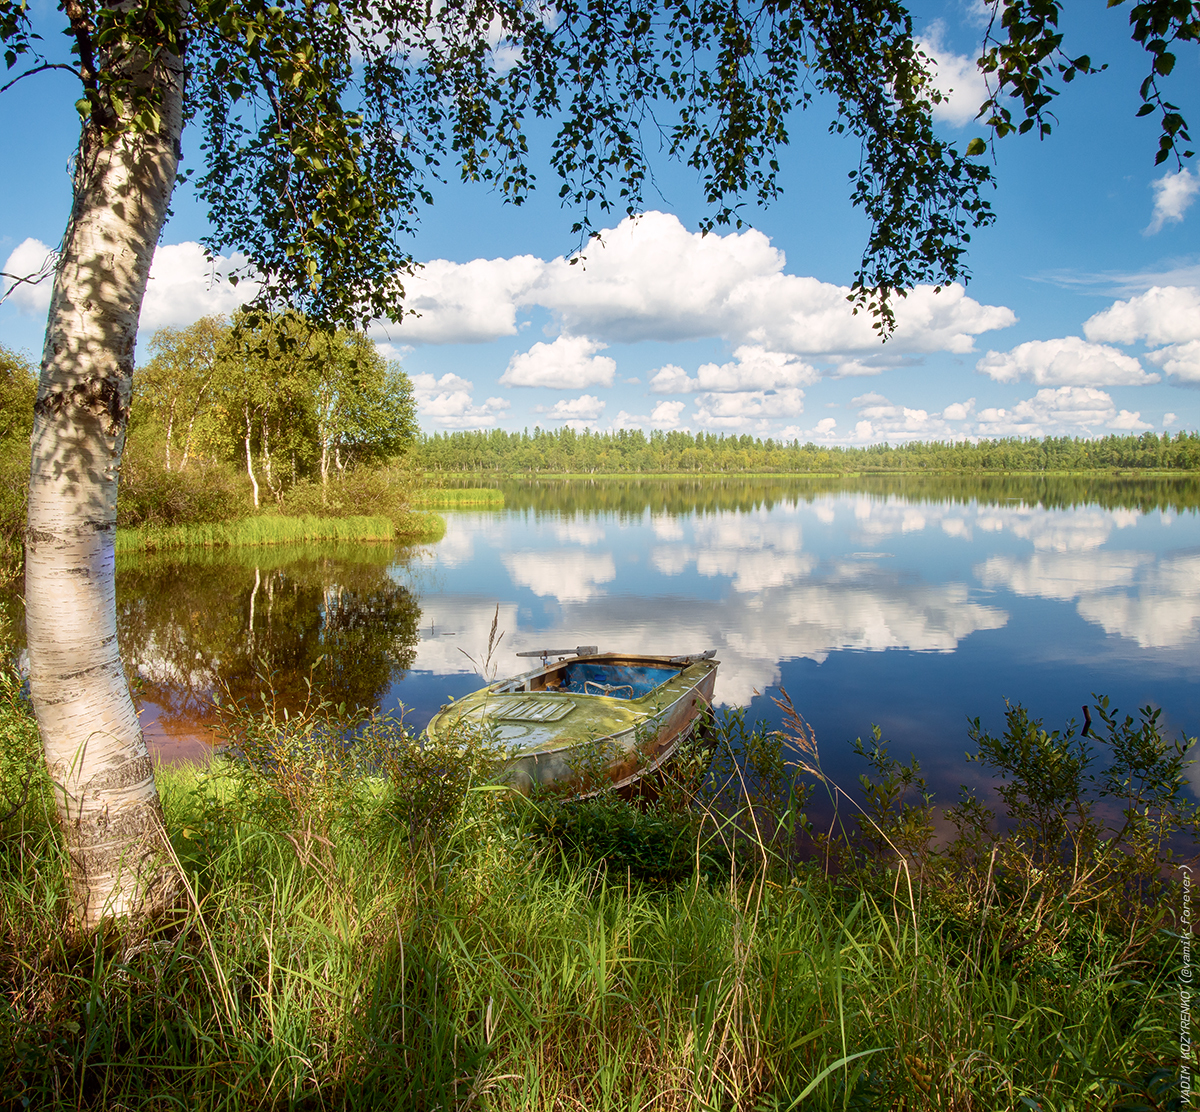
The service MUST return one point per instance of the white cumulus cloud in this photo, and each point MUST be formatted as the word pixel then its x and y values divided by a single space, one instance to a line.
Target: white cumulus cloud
pixel 666 415
pixel 584 408
pixel 568 363
pixel 1068 361
pixel 1067 411
pixel 184 285
pixel 880 419
pixel 955 76
pixel 1173 196
pixel 33 261
pixel 785 312
pixel 1161 315
pixel 735 410
pixel 448 401
pixel 1180 360
pixel 752 368
pixel 649 278
pixel 464 303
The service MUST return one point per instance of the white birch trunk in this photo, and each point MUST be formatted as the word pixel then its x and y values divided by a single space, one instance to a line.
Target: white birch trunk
pixel 250 459
pixel 187 442
pixel 170 429
pixel 107 801
pixel 268 473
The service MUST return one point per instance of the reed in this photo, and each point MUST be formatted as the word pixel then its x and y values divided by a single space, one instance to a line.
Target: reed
pixel 252 531
pixel 452 498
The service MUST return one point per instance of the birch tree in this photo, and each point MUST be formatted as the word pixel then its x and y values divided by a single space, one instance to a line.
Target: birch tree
pixel 326 125
pixel 363 407
pixel 176 385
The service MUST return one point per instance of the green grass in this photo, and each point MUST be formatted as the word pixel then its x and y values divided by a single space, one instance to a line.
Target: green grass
pixel 335 972
pixel 452 498
pixel 263 530
pixel 410 939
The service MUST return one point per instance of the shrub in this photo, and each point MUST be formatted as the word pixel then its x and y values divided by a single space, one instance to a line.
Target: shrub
pixel 18 388
pixel 321 770
pixel 387 491
pixel 207 491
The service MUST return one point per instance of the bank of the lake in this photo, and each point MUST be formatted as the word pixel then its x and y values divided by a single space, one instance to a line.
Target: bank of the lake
pixel 420 525
pixel 411 939
pixel 268 530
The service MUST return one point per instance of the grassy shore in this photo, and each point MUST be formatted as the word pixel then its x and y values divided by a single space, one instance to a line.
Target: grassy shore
pixel 453 498
pixel 277 529
pixel 392 932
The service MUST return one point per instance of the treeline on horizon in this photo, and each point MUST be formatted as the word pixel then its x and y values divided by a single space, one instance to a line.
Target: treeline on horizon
pixel 632 496
pixel 628 451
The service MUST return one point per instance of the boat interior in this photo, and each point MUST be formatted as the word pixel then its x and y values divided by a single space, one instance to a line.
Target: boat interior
pixel 614 679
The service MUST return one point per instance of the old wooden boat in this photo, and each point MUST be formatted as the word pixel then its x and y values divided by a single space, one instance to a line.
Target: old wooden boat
pixel 589 721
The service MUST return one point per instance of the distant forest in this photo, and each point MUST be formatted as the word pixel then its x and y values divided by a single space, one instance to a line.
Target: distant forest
pixel 627 451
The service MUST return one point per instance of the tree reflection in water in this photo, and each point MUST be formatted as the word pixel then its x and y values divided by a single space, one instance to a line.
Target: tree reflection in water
pixel 191 625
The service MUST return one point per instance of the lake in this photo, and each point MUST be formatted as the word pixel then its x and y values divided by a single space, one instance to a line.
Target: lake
pixel 910 602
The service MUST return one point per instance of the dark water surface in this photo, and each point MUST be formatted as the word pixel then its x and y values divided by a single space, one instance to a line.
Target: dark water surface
pixel 911 603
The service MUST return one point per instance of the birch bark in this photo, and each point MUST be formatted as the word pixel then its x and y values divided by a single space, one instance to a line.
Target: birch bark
pixel 107 801
pixel 250 457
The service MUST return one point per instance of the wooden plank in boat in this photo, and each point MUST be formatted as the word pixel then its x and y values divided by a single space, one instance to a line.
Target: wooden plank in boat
pixel 531 709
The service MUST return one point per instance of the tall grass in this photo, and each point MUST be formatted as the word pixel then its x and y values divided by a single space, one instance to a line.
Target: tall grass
pixel 379 928
pixel 451 498
pixel 250 531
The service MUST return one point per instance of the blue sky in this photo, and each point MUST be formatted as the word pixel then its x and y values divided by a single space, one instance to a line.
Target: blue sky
pixel 1082 318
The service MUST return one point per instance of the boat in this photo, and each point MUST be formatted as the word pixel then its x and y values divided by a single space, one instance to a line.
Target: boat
pixel 589 721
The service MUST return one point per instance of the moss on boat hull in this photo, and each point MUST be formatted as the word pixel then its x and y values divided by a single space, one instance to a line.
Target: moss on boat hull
pixel 591 722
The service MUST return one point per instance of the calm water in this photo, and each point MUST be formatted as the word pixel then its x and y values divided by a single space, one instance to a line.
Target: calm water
pixel 911 605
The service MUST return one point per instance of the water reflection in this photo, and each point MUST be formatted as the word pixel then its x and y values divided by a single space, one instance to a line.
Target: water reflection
pixel 565 574
pixel 630 497
pixel 189 627
pixel 908 601
pixel 767 599
pixel 912 602
pixel 1152 600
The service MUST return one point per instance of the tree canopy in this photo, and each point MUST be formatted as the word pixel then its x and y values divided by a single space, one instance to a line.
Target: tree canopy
pixel 325 126
pixel 286 399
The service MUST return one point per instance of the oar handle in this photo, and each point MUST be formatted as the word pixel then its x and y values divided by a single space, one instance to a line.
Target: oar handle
pixel 579 650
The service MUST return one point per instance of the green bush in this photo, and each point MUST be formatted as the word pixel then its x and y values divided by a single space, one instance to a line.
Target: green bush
pixel 386 490
pixel 18 388
pixel 151 495
pixel 24 786
pixel 653 845
pixel 326 769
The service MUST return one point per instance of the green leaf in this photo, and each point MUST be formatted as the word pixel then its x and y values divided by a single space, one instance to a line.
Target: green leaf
pixel 976 147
